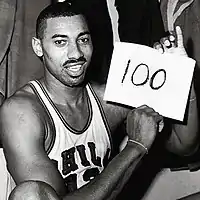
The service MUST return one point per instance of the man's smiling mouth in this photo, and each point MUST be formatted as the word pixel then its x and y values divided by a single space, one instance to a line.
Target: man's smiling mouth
pixel 75 68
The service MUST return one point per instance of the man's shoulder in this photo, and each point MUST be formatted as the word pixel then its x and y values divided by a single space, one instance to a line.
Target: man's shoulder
pixel 23 100
pixel 114 112
pixel 22 113
pixel 21 116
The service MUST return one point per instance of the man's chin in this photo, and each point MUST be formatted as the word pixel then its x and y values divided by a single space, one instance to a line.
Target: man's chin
pixel 77 83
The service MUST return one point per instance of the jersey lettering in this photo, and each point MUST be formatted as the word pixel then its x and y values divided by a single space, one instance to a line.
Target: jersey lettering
pixel 69 164
pixel 95 159
pixel 71 182
pixel 82 154
pixel 90 174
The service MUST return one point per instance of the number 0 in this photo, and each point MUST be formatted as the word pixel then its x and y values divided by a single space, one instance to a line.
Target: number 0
pixel 153 77
pixel 142 83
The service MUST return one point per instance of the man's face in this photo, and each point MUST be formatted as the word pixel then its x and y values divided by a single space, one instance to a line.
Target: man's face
pixel 67 49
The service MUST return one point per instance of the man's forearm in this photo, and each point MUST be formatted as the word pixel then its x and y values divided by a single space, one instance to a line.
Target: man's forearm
pixel 124 180
pixel 105 184
pixel 184 138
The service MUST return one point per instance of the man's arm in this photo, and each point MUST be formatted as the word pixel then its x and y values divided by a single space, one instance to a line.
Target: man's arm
pixel 184 137
pixel 142 125
pixel 103 187
pixel 22 133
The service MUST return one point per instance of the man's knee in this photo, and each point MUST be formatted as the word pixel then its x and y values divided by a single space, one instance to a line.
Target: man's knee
pixel 33 190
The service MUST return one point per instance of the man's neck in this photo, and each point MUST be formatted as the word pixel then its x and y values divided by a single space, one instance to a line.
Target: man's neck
pixel 62 94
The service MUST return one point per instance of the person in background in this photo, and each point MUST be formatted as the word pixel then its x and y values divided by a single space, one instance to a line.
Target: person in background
pixel 186 15
pixel 57 131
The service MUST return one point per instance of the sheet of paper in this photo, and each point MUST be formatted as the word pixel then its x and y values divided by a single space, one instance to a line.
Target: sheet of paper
pixel 141 75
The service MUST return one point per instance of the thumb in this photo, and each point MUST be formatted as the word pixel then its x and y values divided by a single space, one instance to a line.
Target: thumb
pixel 179 36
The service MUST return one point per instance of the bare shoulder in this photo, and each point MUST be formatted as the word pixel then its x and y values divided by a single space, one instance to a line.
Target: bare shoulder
pixel 23 101
pixel 21 113
pixel 115 113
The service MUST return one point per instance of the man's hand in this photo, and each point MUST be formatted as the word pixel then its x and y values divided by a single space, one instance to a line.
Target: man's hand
pixel 172 44
pixel 142 125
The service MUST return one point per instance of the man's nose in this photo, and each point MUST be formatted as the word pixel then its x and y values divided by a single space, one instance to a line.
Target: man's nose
pixel 74 51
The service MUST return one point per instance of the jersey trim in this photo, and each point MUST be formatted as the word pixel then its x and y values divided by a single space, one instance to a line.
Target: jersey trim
pixel 50 146
pixel 70 128
pixel 102 115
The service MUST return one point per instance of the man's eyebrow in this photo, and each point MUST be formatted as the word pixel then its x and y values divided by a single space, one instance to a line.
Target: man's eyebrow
pixel 59 35
pixel 65 36
pixel 84 33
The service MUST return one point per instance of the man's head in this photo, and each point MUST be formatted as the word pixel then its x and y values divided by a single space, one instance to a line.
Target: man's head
pixel 59 9
pixel 64 43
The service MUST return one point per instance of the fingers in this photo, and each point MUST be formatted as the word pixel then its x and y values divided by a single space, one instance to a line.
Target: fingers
pixel 172 40
pixel 141 107
pixel 159 47
pixel 151 112
pixel 143 124
pixel 165 43
pixel 172 44
pixel 179 36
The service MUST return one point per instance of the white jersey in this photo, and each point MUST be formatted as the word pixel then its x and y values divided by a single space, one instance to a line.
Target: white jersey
pixel 79 155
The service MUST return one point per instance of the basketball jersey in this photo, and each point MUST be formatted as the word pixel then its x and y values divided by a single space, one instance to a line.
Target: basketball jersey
pixel 78 155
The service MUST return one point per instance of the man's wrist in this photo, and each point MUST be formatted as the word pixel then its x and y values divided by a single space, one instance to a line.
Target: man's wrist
pixel 139 145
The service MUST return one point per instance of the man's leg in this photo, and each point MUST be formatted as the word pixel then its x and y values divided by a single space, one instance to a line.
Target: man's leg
pixel 33 190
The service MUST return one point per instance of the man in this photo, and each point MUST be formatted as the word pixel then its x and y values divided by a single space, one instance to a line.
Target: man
pixel 56 131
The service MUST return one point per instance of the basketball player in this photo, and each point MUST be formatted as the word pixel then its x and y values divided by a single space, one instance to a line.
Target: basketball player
pixel 57 131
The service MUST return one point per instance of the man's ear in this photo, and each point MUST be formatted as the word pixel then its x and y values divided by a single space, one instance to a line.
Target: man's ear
pixel 37 47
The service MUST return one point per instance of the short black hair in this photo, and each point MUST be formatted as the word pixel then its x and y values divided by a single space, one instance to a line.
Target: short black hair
pixel 59 9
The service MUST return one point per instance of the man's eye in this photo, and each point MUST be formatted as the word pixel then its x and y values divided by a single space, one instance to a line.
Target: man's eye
pixel 83 40
pixel 60 42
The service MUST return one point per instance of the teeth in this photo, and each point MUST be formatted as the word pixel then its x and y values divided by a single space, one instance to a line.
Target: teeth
pixel 75 68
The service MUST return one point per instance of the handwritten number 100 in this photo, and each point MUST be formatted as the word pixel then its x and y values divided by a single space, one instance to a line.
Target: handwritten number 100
pixel 151 82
